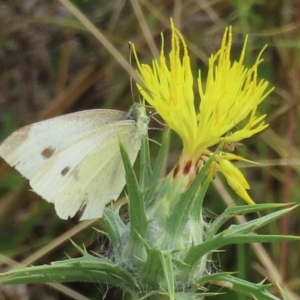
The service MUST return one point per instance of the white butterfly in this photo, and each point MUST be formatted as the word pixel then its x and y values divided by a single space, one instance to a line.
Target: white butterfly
pixel 74 160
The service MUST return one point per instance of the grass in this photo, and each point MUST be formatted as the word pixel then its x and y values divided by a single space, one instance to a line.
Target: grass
pixel 53 63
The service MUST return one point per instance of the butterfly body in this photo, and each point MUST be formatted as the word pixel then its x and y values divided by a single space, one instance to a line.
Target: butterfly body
pixel 74 160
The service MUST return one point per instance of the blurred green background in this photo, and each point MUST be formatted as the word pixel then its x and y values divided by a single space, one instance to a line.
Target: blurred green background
pixel 51 63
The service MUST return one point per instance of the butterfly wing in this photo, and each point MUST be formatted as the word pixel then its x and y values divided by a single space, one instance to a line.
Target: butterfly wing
pixel 100 176
pixel 74 160
pixel 30 147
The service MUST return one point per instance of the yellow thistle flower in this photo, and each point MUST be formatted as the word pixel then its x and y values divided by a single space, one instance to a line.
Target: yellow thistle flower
pixel 231 94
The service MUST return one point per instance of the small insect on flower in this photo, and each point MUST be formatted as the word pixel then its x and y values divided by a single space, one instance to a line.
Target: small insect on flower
pixel 229 146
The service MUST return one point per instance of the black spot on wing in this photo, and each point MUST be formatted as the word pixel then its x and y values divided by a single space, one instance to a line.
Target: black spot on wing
pixel 65 171
pixel 47 152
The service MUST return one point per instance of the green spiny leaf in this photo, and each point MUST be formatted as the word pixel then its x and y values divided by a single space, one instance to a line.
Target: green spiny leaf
pixel 220 240
pixel 145 167
pixel 138 219
pixel 84 269
pixel 155 178
pixel 115 229
pixel 240 286
pixel 240 210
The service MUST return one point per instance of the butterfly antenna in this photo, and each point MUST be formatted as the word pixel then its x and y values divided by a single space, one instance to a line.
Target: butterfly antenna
pixel 131 77
pixel 130 63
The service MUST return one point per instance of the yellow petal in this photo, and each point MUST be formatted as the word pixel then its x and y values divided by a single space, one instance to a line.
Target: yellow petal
pixel 234 178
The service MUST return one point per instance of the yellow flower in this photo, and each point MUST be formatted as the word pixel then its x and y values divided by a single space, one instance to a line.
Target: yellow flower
pixel 231 94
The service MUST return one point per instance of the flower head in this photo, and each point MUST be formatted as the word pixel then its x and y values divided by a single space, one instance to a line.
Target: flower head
pixel 229 95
